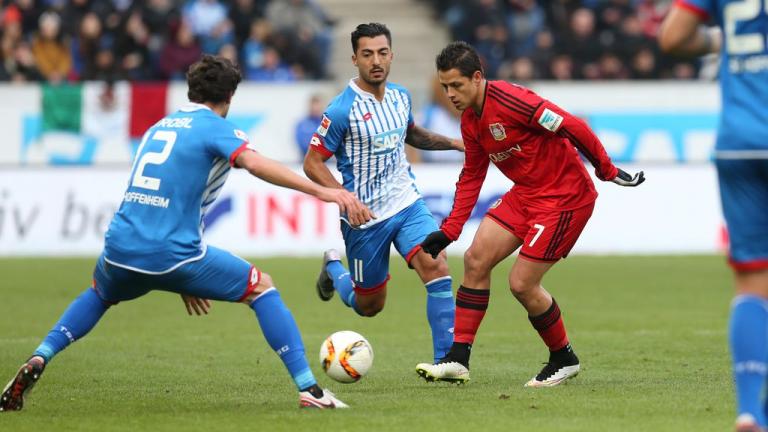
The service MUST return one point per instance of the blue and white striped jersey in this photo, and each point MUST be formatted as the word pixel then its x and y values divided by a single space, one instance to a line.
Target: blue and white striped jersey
pixel 367 136
pixel 179 170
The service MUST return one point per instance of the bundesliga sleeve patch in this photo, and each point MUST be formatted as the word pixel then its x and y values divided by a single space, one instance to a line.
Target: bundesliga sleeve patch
pixel 322 130
pixel 550 120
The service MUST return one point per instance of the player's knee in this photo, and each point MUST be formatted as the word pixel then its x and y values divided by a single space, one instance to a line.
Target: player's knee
pixel 474 263
pixel 265 283
pixel 521 287
pixel 369 305
pixel 430 269
pixel 370 309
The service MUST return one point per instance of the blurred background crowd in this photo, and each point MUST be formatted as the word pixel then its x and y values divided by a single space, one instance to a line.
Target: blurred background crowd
pixel 286 40
pixel 524 40
pixel 74 40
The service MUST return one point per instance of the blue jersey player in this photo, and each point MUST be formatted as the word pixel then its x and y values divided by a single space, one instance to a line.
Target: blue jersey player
pixel 741 158
pixel 366 127
pixel 155 240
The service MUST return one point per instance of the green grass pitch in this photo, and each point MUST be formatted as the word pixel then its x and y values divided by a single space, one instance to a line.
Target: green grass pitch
pixel 650 332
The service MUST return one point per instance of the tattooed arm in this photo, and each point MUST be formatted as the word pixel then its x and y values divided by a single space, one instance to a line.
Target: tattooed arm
pixel 427 140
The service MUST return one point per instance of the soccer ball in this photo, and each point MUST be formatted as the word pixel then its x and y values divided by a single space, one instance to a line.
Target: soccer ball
pixel 346 356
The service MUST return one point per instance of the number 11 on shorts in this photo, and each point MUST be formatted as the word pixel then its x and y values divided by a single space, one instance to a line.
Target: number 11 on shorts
pixel 540 229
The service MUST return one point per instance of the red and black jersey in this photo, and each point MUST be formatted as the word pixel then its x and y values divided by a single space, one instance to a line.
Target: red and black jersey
pixel 534 143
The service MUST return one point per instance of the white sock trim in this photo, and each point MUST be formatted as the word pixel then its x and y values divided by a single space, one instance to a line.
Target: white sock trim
pixel 265 291
pixel 434 281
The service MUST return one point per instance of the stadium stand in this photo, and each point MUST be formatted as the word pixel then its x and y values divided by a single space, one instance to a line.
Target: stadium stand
pixel 288 40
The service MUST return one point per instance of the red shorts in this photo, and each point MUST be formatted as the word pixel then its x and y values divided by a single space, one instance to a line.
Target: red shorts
pixel 547 234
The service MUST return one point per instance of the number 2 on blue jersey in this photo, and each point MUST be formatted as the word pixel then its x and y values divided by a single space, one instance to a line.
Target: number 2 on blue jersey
pixel 155 158
pixel 745 43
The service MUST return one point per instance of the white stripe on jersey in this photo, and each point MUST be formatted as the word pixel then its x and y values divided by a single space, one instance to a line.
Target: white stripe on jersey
pixel 375 146
pixel 217 176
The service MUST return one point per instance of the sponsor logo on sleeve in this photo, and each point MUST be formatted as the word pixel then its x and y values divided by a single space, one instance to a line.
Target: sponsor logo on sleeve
pixel 242 135
pixel 316 140
pixel 497 130
pixel 325 123
pixel 550 120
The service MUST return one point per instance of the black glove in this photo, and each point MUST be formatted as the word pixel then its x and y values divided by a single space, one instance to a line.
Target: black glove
pixel 435 242
pixel 624 179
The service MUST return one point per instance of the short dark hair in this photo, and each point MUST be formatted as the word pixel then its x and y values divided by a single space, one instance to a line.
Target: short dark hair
pixel 212 79
pixel 459 55
pixel 370 30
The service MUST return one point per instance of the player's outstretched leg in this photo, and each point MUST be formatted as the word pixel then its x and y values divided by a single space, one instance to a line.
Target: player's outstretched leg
pixel 79 318
pixel 335 277
pixel 13 395
pixel 563 363
pixel 282 334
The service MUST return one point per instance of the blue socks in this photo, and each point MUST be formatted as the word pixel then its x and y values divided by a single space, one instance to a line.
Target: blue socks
pixel 79 318
pixel 748 336
pixel 440 314
pixel 342 283
pixel 283 336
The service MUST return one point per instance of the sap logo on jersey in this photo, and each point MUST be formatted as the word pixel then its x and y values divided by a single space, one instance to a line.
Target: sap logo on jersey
pixel 387 142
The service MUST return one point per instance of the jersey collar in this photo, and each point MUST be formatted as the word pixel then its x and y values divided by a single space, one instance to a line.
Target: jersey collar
pixel 485 98
pixel 193 106
pixel 362 92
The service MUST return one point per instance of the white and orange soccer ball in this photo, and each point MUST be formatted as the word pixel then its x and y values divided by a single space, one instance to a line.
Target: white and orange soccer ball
pixel 346 356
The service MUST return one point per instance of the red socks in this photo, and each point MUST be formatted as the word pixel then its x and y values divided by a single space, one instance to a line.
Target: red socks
pixel 550 327
pixel 471 305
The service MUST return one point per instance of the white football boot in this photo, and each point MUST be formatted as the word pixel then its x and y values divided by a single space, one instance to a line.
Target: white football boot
pixel 452 372
pixel 328 401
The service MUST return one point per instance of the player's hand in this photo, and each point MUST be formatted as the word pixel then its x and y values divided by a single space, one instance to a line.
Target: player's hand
pixel 457 144
pixel 435 242
pixel 199 305
pixel 625 179
pixel 357 213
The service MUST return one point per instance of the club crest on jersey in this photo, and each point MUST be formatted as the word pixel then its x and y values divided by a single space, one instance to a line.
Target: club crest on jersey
pixel 367 116
pixel 497 130
pixel 325 123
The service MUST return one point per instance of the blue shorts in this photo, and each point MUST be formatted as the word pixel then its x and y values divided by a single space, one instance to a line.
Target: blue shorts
pixel 368 249
pixel 744 195
pixel 219 275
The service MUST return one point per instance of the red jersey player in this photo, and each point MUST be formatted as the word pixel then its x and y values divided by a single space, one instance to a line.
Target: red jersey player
pixel 534 143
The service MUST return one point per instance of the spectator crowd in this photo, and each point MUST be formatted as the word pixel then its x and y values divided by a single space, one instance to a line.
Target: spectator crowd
pixel 72 40
pixel 523 40
pixel 287 40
